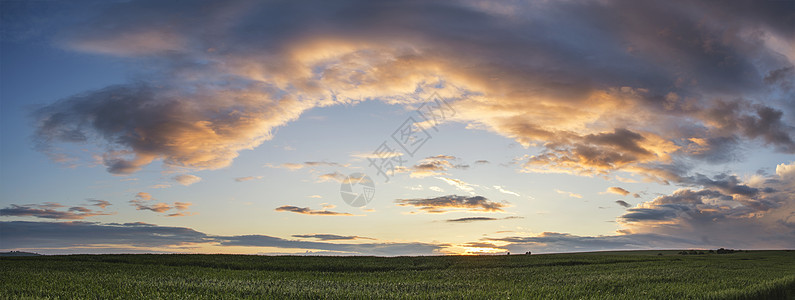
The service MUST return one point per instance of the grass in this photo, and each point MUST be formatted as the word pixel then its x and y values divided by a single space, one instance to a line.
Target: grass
pixel 605 275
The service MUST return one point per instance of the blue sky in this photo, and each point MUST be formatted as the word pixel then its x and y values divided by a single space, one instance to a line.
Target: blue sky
pixel 142 126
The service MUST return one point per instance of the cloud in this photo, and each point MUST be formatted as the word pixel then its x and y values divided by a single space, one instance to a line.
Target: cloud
pixel 471 219
pixel 477 219
pixel 554 242
pixel 310 164
pixel 54 235
pixel 481 162
pixel 335 176
pixel 387 154
pixel 63 237
pixel 436 189
pixel 182 205
pixel 432 166
pixel 743 214
pixel 51 210
pixel 604 94
pixel 390 249
pixel 100 203
pixel 786 172
pixel 570 194
pixel 617 190
pixel 141 202
pixel 247 178
pixel 157 207
pixel 655 94
pixel 504 191
pixel 453 202
pixel 331 237
pixel 186 179
pixel 308 211
pixel 623 203
pixel 459 184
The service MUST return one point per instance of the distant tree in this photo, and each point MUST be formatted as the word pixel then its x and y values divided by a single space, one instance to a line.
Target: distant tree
pixel 659 254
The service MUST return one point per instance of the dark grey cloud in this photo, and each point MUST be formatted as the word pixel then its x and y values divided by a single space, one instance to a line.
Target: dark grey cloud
pixel 387 249
pixel 476 219
pixel 554 242
pixel 728 184
pixel 309 211
pixel 47 237
pixel 778 75
pixel 148 123
pixel 50 210
pixel 446 203
pixel 725 211
pixel 715 150
pixel 665 212
pixel 19 234
pixel 623 203
pixel 331 237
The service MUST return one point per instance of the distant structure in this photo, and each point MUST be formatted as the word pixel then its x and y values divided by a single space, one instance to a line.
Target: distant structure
pixel 18 253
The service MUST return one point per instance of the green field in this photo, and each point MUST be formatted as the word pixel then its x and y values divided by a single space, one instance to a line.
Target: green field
pixel 607 275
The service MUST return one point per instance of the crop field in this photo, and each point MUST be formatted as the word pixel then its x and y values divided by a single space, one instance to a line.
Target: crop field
pixel 605 275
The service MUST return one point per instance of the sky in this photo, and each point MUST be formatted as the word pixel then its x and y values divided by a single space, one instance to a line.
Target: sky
pixel 396 127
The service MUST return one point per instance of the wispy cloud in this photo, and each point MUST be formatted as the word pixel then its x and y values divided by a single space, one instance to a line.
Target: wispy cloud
pixel 459 184
pixel 187 179
pixel 453 202
pixel 100 203
pixel 617 190
pixel 570 194
pixel 433 166
pixel 309 211
pixel 141 202
pixel 478 219
pixel 247 178
pixel 310 164
pixel 504 191
pixel 335 176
